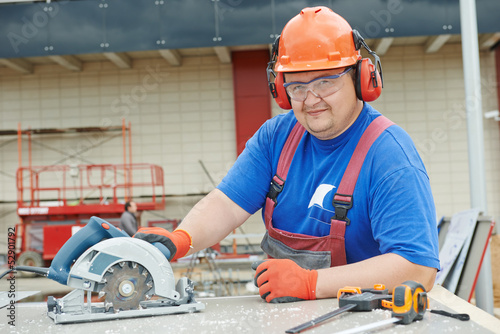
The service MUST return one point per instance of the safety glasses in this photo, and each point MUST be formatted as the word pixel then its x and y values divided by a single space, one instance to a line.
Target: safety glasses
pixel 319 87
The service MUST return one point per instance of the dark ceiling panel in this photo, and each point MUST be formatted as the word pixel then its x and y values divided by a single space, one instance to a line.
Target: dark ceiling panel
pixel 76 28
pixel 187 23
pixel 23 30
pixel 90 26
pixel 129 23
pixel 249 21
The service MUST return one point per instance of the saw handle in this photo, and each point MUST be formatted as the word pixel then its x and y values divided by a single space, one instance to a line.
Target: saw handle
pixel 163 249
pixel 92 233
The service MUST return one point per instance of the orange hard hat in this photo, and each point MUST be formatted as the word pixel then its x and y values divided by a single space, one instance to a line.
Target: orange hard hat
pixel 316 39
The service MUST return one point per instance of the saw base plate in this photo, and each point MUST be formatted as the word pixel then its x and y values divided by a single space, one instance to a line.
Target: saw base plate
pixel 98 313
pixel 72 308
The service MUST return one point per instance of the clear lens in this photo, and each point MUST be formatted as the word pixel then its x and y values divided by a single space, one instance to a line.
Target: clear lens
pixel 320 87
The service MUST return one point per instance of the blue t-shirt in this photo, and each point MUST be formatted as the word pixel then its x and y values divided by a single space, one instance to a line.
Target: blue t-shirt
pixel 393 209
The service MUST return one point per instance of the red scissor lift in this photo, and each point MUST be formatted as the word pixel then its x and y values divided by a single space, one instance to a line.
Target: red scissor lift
pixel 54 201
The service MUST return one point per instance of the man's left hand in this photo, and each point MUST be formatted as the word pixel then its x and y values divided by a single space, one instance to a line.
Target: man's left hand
pixel 282 281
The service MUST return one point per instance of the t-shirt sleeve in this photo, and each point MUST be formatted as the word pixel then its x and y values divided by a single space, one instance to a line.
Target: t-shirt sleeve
pixel 403 216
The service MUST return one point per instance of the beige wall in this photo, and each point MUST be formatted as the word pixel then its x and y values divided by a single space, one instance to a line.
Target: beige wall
pixel 181 115
pixel 424 94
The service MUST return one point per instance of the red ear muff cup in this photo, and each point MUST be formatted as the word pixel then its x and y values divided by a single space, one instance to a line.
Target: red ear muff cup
pixel 368 81
pixel 281 98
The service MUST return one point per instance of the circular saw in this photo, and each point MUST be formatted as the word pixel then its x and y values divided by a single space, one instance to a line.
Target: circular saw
pixel 132 277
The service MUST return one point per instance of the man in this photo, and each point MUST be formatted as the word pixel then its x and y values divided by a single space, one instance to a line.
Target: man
pixel 128 221
pixel 321 237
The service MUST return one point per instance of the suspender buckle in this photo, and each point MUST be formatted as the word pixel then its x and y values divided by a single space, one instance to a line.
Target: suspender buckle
pixel 342 206
pixel 276 187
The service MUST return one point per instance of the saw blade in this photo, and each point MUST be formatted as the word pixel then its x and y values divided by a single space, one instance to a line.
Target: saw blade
pixel 126 285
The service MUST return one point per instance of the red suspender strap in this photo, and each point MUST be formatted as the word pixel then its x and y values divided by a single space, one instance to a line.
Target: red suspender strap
pixel 342 200
pixel 284 163
pixel 289 150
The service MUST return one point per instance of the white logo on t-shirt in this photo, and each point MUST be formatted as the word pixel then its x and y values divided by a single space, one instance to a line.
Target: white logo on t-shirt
pixel 319 194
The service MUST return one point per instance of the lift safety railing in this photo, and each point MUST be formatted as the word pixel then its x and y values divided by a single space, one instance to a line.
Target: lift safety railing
pixel 80 185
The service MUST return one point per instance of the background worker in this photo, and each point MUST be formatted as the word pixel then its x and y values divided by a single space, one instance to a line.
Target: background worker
pixel 317 242
pixel 128 220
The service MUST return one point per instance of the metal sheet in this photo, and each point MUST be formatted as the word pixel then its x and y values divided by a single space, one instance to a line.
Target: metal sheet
pixel 251 314
pixel 6 298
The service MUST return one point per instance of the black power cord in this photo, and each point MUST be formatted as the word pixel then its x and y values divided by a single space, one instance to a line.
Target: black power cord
pixel 37 270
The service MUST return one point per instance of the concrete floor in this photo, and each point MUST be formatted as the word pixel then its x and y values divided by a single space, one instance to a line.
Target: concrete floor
pixel 250 314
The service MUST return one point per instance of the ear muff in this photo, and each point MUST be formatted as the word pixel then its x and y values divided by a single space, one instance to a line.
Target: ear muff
pixel 281 97
pixel 368 81
pixel 277 89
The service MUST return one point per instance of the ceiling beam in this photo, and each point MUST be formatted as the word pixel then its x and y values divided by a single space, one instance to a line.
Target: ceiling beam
pixel 435 43
pixel 121 60
pixel 489 40
pixel 383 45
pixel 223 53
pixel 19 65
pixel 172 56
pixel 69 62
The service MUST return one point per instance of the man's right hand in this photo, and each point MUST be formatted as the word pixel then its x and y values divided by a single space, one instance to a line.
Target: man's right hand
pixel 177 242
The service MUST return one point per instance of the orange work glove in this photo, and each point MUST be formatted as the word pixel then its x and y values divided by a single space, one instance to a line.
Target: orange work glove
pixel 178 242
pixel 283 281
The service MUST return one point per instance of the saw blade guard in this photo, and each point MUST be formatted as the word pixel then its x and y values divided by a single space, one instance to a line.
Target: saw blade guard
pixel 88 271
pixel 95 231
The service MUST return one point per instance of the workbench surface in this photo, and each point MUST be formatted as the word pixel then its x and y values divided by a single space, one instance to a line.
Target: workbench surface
pixel 250 314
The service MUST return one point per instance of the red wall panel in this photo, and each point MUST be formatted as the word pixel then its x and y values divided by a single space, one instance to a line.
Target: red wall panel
pixel 252 101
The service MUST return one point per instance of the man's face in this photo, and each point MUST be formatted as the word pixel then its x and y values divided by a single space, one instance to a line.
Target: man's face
pixel 133 207
pixel 328 117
